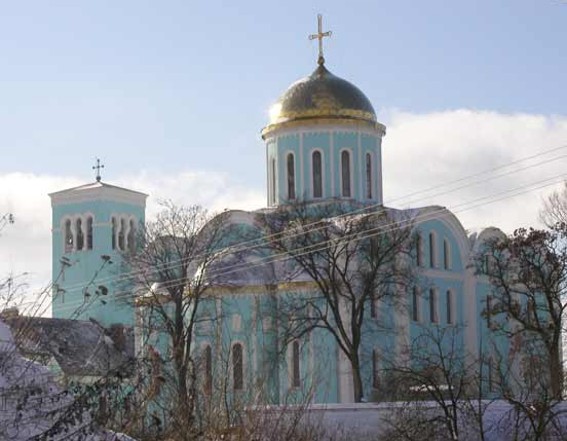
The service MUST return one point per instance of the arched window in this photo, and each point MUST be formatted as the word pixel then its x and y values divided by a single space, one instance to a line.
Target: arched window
pixel 290 176
pixel 415 304
pixel 432 254
pixel 295 372
pixel 446 254
pixel 317 174
pixel 80 236
pixel 132 236
pixel 419 250
pixel 208 369
pixel 345 174
pixel 122 235
pixel 375 369
pixel 368 176
pixel 68 236
pixel 449 307
pixel 432 306
pixel 273 189
pixel 89 233
pixel 114 233
pixel 237 367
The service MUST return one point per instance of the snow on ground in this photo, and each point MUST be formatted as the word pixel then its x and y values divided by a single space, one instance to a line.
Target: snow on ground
pixel 32 405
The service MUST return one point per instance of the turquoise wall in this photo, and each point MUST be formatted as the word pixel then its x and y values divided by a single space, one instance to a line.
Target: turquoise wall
pixel 330 144
pixel 87 270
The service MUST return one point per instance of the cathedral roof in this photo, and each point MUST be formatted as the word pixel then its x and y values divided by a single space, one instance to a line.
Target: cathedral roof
pixel 321 95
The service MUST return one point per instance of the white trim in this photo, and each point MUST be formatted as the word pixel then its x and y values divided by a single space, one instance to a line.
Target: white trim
pixel 98 193
pixel 323 128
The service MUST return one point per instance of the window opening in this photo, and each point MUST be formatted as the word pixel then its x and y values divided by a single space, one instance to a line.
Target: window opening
pixel 446 254
pixel 345 173
pixel 368 176
pixel 132 236
pixel 432 306
pixel 449 307
pixel 375 370
pixel 415 304
pixel 290 177
pixel 80 236
pixel 114 226
pixel 317 175
pixel 89 233
pixel 419 250
pixel 273 181
pixel 68 236
pixel 237 367
pixel 295 378
pixel 208 365
pixel 432 261
pixel 121 235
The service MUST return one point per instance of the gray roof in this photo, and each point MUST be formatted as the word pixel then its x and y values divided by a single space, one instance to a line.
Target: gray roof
pixel 79 347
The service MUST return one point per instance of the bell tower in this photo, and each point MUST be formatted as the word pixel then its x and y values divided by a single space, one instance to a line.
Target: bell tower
pixel 93 227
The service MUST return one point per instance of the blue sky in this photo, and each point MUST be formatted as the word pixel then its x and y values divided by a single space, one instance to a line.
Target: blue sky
pixel 172 95
pixel 162 85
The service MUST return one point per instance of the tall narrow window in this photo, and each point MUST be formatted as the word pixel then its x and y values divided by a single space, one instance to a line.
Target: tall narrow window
pixel 375 370
pixel 295 374
pixel 208 368
pixel 446 254
pixel 122 235
pixel 290 177
pixel 415 304
pixel 449 307
pixel 373 306
pixel 345 173
pixel 132 236
pixel 89 233
pixel 368 176
pixel 273 189
pixel 317 175
pixel 68 237
pixel 432 306
pixel 237 367
pixel 419 250
pixel 80 236
pixel 432 259
pixel 488 311
pixel 114 227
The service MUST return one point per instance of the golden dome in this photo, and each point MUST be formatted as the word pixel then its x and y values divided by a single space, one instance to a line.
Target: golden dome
pixel 321 95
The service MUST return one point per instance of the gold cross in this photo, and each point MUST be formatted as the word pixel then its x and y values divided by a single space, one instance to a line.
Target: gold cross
pixel 319 36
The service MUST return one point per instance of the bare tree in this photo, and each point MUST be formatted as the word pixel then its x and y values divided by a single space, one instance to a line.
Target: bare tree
pixel 355 261
pixel 554 210
pixel 170 271
pixel 527 271
pixel 442 386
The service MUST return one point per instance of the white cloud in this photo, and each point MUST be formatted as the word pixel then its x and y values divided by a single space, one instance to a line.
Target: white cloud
pixel 420 151
pixel 429 150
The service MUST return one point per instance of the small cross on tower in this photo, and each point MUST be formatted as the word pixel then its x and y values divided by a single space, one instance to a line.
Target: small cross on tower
pixel 319 36
pixel 97 167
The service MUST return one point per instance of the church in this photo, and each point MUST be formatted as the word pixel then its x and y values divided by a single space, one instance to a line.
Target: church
pixel 323 146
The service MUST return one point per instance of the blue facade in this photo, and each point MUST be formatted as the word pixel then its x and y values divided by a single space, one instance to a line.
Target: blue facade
pixel 93 226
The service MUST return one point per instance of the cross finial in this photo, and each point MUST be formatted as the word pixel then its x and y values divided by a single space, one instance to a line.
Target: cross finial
pixel 319 36
pixel 97 167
